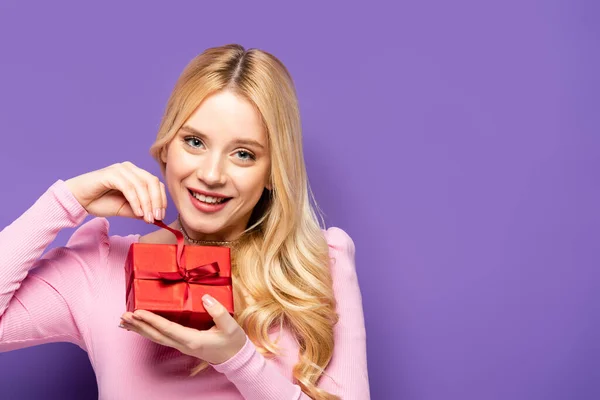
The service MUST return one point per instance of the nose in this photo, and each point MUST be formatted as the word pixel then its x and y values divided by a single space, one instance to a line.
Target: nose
pixel 210 171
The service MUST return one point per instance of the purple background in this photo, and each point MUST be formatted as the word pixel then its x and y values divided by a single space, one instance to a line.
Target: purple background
pixel 457 142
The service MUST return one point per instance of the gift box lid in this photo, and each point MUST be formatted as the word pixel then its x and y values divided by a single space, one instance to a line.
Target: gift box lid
pixel 149 257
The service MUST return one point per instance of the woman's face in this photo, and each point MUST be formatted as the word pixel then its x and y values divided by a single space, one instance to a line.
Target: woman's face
pixel 217 167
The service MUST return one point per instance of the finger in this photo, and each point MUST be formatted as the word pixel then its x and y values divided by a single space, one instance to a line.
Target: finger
pixel 124 325
pixel 223 320
pixel 129 191
pixel 176 332
pixel 154 188
pixel 148 331
pixel 163 193
pixel 142 192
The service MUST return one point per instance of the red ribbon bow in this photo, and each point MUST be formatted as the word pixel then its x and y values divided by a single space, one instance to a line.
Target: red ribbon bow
pixel 207 274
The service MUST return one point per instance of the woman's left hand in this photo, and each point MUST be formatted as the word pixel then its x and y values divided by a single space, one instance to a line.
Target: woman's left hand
pixel 216 345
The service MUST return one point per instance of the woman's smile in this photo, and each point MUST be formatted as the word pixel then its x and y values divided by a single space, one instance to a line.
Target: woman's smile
pixel 208 204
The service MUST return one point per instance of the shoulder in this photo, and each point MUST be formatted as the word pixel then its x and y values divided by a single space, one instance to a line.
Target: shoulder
pixel 88 246
pixel 341 252
pixel 339 240
pixel 91 236
pixel 92 242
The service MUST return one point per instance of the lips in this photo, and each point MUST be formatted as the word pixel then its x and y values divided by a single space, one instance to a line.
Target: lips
pixel 209 197
pixel 208 205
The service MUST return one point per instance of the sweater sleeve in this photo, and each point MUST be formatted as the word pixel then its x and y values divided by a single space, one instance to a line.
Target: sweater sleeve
pixel 47 298
pixel 346 375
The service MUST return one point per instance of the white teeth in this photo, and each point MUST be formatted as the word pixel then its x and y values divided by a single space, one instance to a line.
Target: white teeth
pixel 208 199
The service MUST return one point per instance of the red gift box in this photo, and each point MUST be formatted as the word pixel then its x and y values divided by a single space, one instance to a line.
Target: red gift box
pixel 170 280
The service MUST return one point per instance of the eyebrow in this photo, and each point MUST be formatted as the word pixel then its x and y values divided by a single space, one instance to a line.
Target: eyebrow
pixel 247 142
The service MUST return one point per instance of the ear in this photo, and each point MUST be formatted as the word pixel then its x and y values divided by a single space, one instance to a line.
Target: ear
pixel 163 154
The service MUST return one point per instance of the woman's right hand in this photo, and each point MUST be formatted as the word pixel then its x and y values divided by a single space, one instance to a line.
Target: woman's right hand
pixel 120 190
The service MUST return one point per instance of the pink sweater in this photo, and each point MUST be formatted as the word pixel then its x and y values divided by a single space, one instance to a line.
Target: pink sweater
pixel 77 294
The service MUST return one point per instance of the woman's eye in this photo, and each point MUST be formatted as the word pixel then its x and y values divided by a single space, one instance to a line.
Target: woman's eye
pixel 245 155
pixel 193 142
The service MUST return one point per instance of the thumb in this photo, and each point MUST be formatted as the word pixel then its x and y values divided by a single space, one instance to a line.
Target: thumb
pixel 219 314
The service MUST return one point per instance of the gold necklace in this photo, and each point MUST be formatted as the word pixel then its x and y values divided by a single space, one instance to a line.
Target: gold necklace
pixel 203 242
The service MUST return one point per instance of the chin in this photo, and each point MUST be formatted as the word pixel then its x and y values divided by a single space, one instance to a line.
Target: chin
pixel 207 230
pixel 200 225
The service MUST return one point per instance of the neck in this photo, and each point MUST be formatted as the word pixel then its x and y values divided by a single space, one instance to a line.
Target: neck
pixel 195 238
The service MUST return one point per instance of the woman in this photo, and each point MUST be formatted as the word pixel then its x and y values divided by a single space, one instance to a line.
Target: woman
pixel 230 151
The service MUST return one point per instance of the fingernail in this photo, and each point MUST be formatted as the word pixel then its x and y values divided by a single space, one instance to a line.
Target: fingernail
pixel 149 218
pixel 158 214
pixel 208 300
pixel 164 214
pixel 139 212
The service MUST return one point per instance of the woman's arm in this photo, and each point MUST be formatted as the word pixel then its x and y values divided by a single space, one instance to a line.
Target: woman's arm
pixel 42 299
pixel 346 375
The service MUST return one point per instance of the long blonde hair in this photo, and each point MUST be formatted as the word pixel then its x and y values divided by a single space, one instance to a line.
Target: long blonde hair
pixel 281 261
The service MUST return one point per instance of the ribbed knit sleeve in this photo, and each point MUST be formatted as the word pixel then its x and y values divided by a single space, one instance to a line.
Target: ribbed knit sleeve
pixel 346 375
pixel 48 299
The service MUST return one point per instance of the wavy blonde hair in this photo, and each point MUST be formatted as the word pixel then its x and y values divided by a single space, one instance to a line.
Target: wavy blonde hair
pixel 281 261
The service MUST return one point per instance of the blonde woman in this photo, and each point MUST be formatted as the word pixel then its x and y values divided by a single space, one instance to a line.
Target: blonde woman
pixel 230 150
